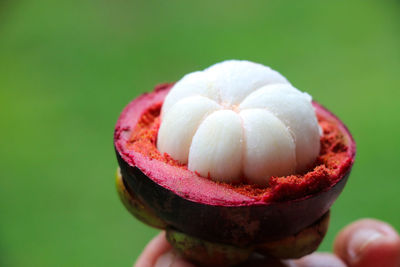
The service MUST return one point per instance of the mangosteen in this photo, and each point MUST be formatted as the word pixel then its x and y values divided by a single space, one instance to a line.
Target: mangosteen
pixel 232 160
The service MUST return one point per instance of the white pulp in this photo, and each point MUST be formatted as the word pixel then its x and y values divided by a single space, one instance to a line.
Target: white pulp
pixel 239 119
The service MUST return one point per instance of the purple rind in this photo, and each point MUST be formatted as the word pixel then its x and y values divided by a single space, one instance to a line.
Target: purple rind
pixel 240 226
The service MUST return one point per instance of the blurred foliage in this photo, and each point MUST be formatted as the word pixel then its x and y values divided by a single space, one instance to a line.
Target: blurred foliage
pixel 67 68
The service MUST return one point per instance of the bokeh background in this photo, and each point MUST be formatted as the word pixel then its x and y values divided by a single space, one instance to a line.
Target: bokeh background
pixel 67 68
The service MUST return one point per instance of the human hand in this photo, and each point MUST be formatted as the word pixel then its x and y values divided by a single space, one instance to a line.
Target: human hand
pixel 364 243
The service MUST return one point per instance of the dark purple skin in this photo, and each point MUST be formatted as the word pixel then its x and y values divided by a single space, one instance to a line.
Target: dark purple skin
pixel 240 225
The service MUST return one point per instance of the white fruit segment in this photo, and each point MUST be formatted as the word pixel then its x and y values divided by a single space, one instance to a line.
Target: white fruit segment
pixel 269 147
pixel 180 124
pixel 239 119
pixel 195 83
pixel 294 109
pixel 226 87
pixel 216 149
pixel 242 78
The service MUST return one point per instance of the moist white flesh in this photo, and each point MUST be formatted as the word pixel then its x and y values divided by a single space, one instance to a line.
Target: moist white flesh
pixel 239 119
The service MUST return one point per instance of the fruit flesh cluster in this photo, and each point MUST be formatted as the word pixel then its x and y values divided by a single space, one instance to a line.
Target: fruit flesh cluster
pixel 239 121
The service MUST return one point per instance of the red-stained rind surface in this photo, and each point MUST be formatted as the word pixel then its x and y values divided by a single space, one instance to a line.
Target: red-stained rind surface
pixel 202 208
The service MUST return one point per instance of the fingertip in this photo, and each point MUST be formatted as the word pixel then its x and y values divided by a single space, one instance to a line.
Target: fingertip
pixel 368 242
pixel 159 253
pixel 154 249
pixel 383 251
pixel 319 259
pixel 172 259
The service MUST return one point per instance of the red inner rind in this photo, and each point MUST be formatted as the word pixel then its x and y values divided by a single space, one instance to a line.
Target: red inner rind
pixel 136 137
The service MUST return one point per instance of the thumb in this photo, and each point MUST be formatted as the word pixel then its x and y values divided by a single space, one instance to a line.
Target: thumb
pixel 367 243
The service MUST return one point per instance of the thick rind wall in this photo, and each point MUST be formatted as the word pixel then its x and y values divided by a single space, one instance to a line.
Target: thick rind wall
pixel 240 225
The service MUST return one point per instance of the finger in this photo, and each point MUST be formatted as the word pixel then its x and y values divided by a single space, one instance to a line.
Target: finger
pixel 159 253
pixel 313 260
pixel 317 260
pixel 172 259
pixel 368 243
pixel 158 246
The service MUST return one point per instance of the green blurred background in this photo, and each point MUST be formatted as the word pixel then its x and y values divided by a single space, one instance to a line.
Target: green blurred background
pixel 67 68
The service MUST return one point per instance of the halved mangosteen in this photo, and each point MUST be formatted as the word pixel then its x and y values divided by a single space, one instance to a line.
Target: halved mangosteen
pixel 219 222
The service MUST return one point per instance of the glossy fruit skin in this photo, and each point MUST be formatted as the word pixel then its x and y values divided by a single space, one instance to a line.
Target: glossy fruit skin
pixel 136 207
pixel 241 226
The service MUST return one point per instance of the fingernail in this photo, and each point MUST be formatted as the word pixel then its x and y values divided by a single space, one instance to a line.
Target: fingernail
pixel 360 240
pixel 166 259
